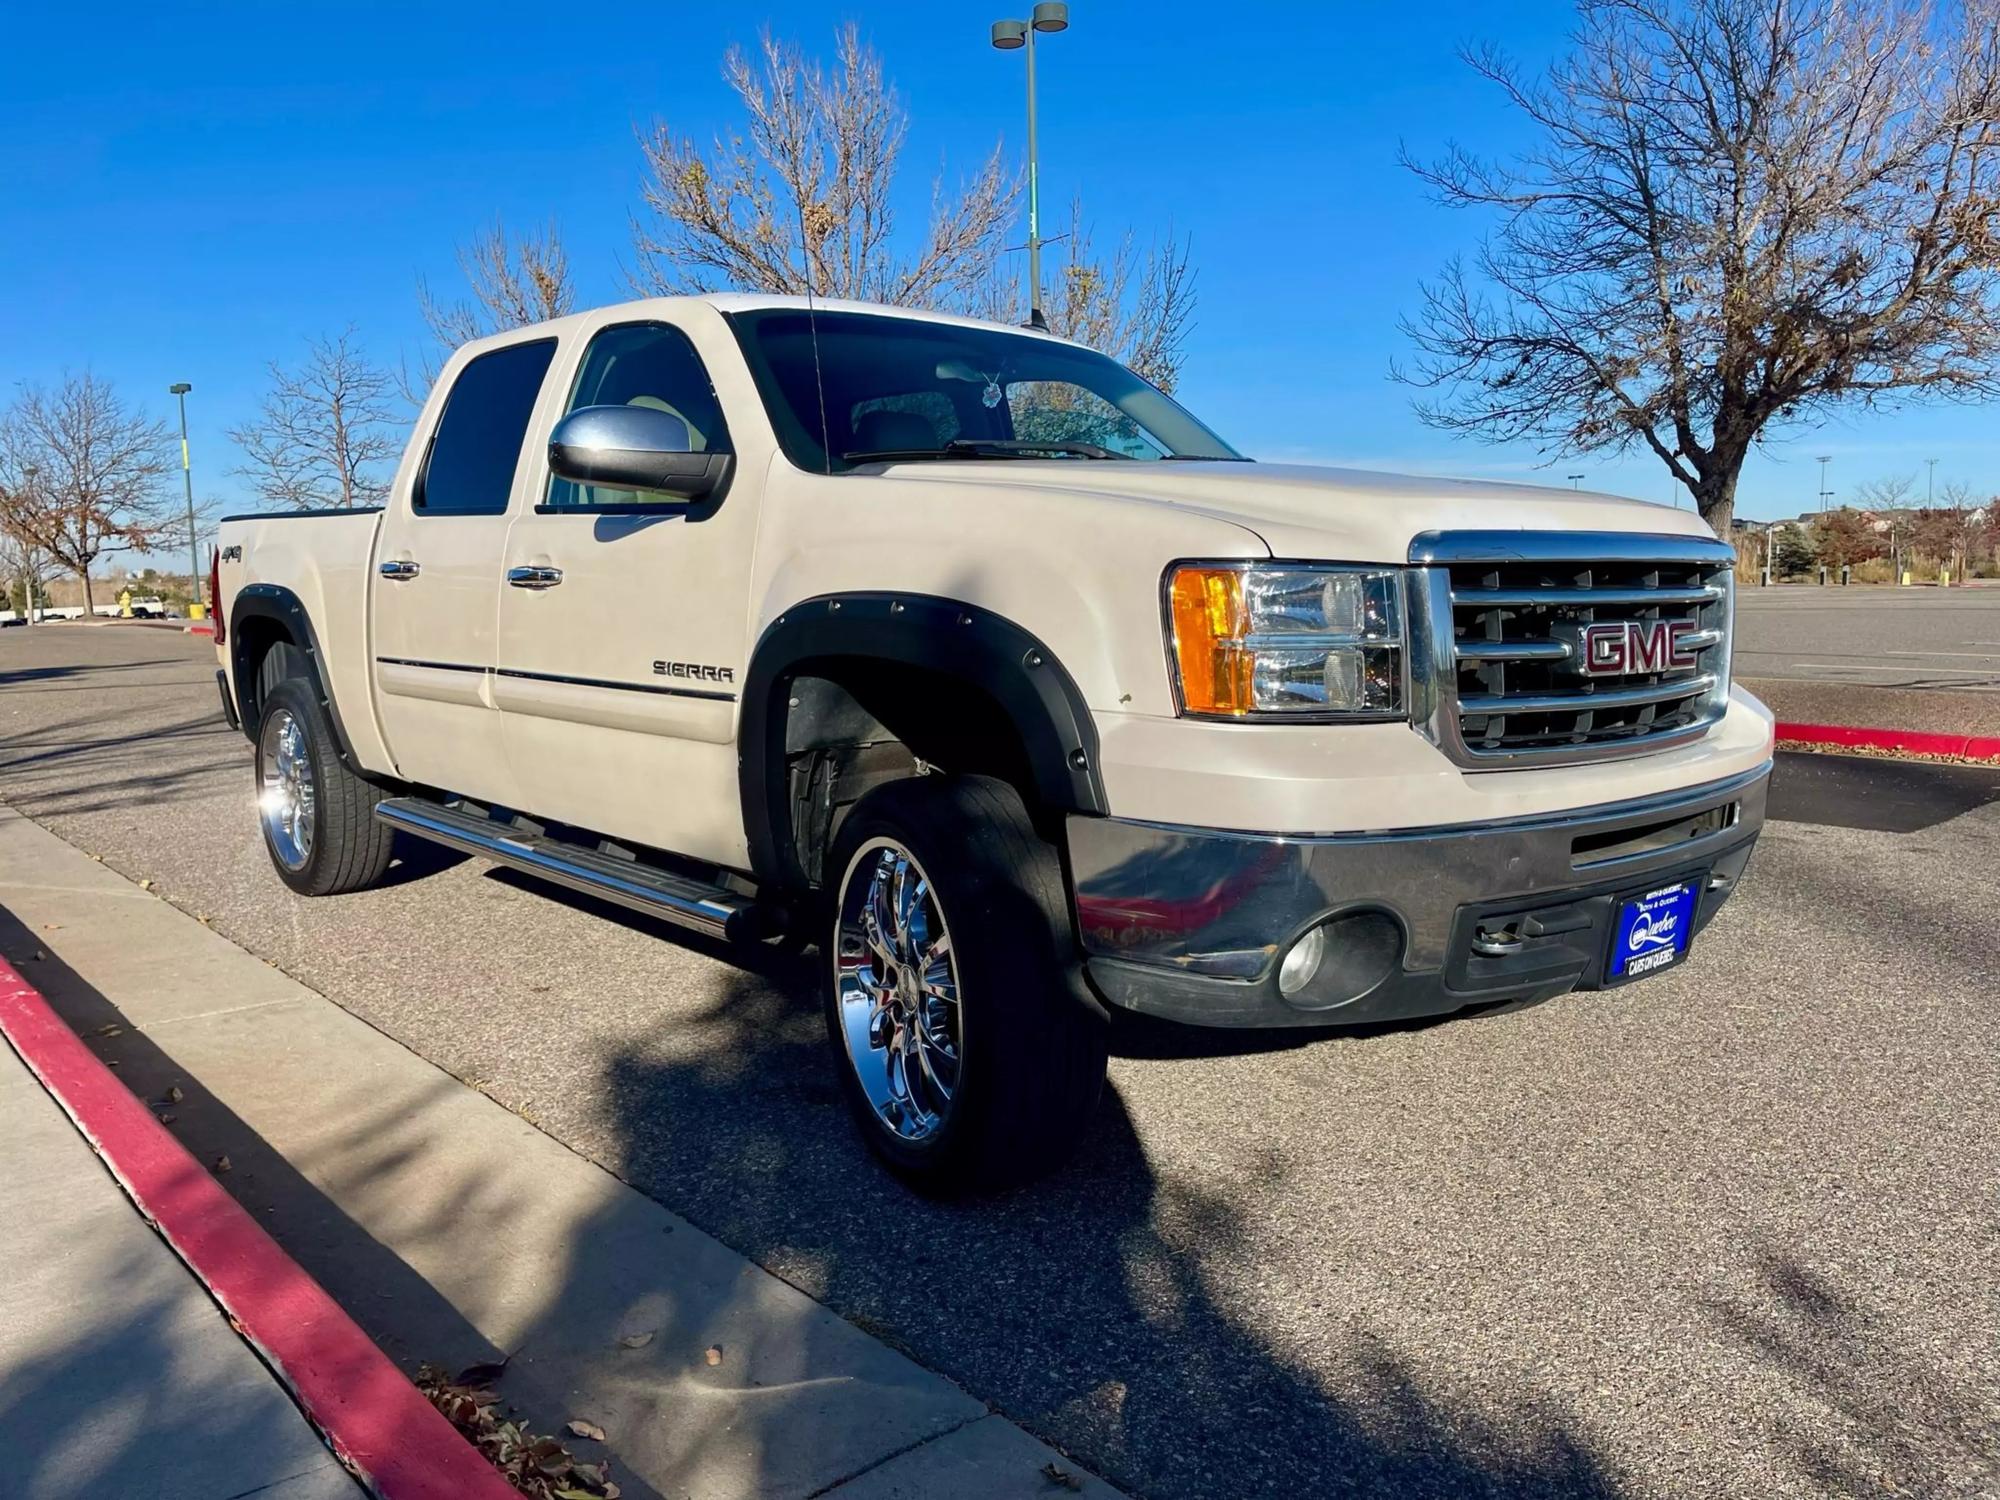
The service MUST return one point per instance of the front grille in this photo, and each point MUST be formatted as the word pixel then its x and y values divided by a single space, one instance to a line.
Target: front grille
pixel 1515 617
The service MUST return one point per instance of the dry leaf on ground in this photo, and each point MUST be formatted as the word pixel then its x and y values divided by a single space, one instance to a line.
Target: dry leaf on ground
pixel 540 1468
pixel 580 1428
pixel 636 1340
pixel 714 1355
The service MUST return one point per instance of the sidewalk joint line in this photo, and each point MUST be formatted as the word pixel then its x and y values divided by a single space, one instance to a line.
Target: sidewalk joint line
pixel 330 1462
pixel 924 1442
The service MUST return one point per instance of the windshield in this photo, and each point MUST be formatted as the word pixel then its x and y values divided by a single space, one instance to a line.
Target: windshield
pixel 898 388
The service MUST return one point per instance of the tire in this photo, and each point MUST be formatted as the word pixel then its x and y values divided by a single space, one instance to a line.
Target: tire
pixel 983 1072
pixel 333 842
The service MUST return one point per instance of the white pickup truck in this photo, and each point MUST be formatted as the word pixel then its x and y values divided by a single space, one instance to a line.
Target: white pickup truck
pixel 964 653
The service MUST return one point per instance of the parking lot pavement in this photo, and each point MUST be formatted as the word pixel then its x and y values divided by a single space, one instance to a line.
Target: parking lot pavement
pixel 1725 1232
pixel 1938 639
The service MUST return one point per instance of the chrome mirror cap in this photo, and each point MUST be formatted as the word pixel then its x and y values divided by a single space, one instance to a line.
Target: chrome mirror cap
pixel 634 448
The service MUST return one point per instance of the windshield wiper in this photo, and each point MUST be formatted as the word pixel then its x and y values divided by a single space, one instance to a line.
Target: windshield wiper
pixel 984 448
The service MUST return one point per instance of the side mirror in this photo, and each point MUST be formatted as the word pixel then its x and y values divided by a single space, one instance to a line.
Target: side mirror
pixel 634 448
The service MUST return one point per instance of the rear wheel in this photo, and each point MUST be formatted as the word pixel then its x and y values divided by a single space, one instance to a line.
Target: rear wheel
pixel 968 1051
pixel 318 816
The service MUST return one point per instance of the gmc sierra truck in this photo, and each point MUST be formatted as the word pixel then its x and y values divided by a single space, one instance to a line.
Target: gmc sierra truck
pixel 966 655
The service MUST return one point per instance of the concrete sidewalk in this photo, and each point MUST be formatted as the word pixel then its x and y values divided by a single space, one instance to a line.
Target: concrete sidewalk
pixel 455 1232
pixel 118 1375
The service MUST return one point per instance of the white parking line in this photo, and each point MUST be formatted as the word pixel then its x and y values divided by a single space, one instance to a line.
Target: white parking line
pixel 1842 666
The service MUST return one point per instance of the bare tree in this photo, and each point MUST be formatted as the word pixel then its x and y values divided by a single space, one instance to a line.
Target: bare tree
pixel 1889 493
pixel 1968 524
pixel 1137 308
pixel 25 571
pixel 512 281
pixel 799 199
pixel 1740 213
pixel 321 431
pixel 95 481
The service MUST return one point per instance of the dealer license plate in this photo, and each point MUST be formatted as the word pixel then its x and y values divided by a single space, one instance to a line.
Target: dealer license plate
pixel 1652 931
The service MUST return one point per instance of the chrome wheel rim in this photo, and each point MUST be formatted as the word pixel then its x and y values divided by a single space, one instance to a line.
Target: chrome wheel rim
pixel 285 793
pixel 896 986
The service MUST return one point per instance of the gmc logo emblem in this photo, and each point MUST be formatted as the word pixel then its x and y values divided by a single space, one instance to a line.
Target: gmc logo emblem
pixel 1631 646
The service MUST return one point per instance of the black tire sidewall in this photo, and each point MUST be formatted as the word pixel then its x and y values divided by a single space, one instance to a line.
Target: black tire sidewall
pixel 295 696
pixel 999 889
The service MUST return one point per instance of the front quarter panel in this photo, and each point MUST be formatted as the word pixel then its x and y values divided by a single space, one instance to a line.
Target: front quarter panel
pixel 1079 572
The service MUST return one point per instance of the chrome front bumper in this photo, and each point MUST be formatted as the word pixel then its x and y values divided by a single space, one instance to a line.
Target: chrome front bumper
pixel 1191 923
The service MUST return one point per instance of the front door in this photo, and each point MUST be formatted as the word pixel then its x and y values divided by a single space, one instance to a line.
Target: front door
pixel 438 580
pixel 621 642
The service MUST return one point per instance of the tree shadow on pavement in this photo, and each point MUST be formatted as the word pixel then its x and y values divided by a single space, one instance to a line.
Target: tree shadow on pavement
pixel 115 1402
pixel 1081 1306
pixel 72 767
pixel 362 1275
pixel 1085 1306
pixel 1900 1424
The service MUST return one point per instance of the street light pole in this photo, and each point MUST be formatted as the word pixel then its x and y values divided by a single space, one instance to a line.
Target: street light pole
pixel 29 472
pixel 181 389
pixel 1008 36
pixel 1575 480
pixel 1824 492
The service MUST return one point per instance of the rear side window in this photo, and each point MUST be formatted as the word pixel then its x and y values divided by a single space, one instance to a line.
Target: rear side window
pixel 470 470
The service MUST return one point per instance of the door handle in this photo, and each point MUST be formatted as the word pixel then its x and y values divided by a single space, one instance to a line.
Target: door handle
pixel 534 576
pixel 400 567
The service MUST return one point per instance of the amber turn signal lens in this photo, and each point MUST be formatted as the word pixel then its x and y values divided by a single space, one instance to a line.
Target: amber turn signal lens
pixel 1210 622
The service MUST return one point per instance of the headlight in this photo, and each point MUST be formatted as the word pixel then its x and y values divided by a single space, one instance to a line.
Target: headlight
pixel 1287 641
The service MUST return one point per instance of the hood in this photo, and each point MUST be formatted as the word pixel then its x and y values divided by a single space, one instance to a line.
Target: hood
pixel 1337 515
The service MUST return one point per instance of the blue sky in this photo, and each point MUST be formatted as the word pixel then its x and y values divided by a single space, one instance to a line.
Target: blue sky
pixel 191 191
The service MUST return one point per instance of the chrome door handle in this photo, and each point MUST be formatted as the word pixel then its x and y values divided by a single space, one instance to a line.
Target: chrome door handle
pixel 534 577
pixel 400 567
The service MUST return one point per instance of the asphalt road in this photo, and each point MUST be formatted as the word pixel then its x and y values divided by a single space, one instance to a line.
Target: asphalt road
pixel 1878 637
pixel 1729 1232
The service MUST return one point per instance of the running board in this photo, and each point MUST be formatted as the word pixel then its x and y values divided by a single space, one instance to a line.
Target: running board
pixel 675 898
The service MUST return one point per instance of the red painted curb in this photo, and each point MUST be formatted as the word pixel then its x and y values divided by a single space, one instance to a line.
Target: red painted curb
pixel 203 629
pixel 377 1423
pixel 1964 746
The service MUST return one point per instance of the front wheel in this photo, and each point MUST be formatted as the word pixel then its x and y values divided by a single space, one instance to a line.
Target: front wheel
pixel 968 1051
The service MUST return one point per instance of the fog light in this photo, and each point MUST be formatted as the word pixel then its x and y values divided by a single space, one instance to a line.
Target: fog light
pixel 1302 962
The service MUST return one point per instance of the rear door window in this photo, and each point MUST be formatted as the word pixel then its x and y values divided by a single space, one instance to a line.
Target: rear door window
pixel 470 468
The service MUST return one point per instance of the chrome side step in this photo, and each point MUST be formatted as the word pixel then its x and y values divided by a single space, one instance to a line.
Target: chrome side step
pixel 676 898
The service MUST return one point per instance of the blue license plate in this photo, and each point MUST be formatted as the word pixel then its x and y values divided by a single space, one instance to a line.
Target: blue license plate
pixel 1653 931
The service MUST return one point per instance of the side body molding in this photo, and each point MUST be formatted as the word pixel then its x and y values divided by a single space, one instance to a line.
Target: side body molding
pixel 937 635
pixel 270 601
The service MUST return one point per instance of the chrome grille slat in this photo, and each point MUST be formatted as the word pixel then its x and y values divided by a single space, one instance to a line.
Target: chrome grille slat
pixel 1584 701
pixel 1514 651
pixel 1488 598
pixel 1500 618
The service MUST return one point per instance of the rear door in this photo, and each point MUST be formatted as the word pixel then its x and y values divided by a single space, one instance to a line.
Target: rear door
pixel 438 583
pixel 621 637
